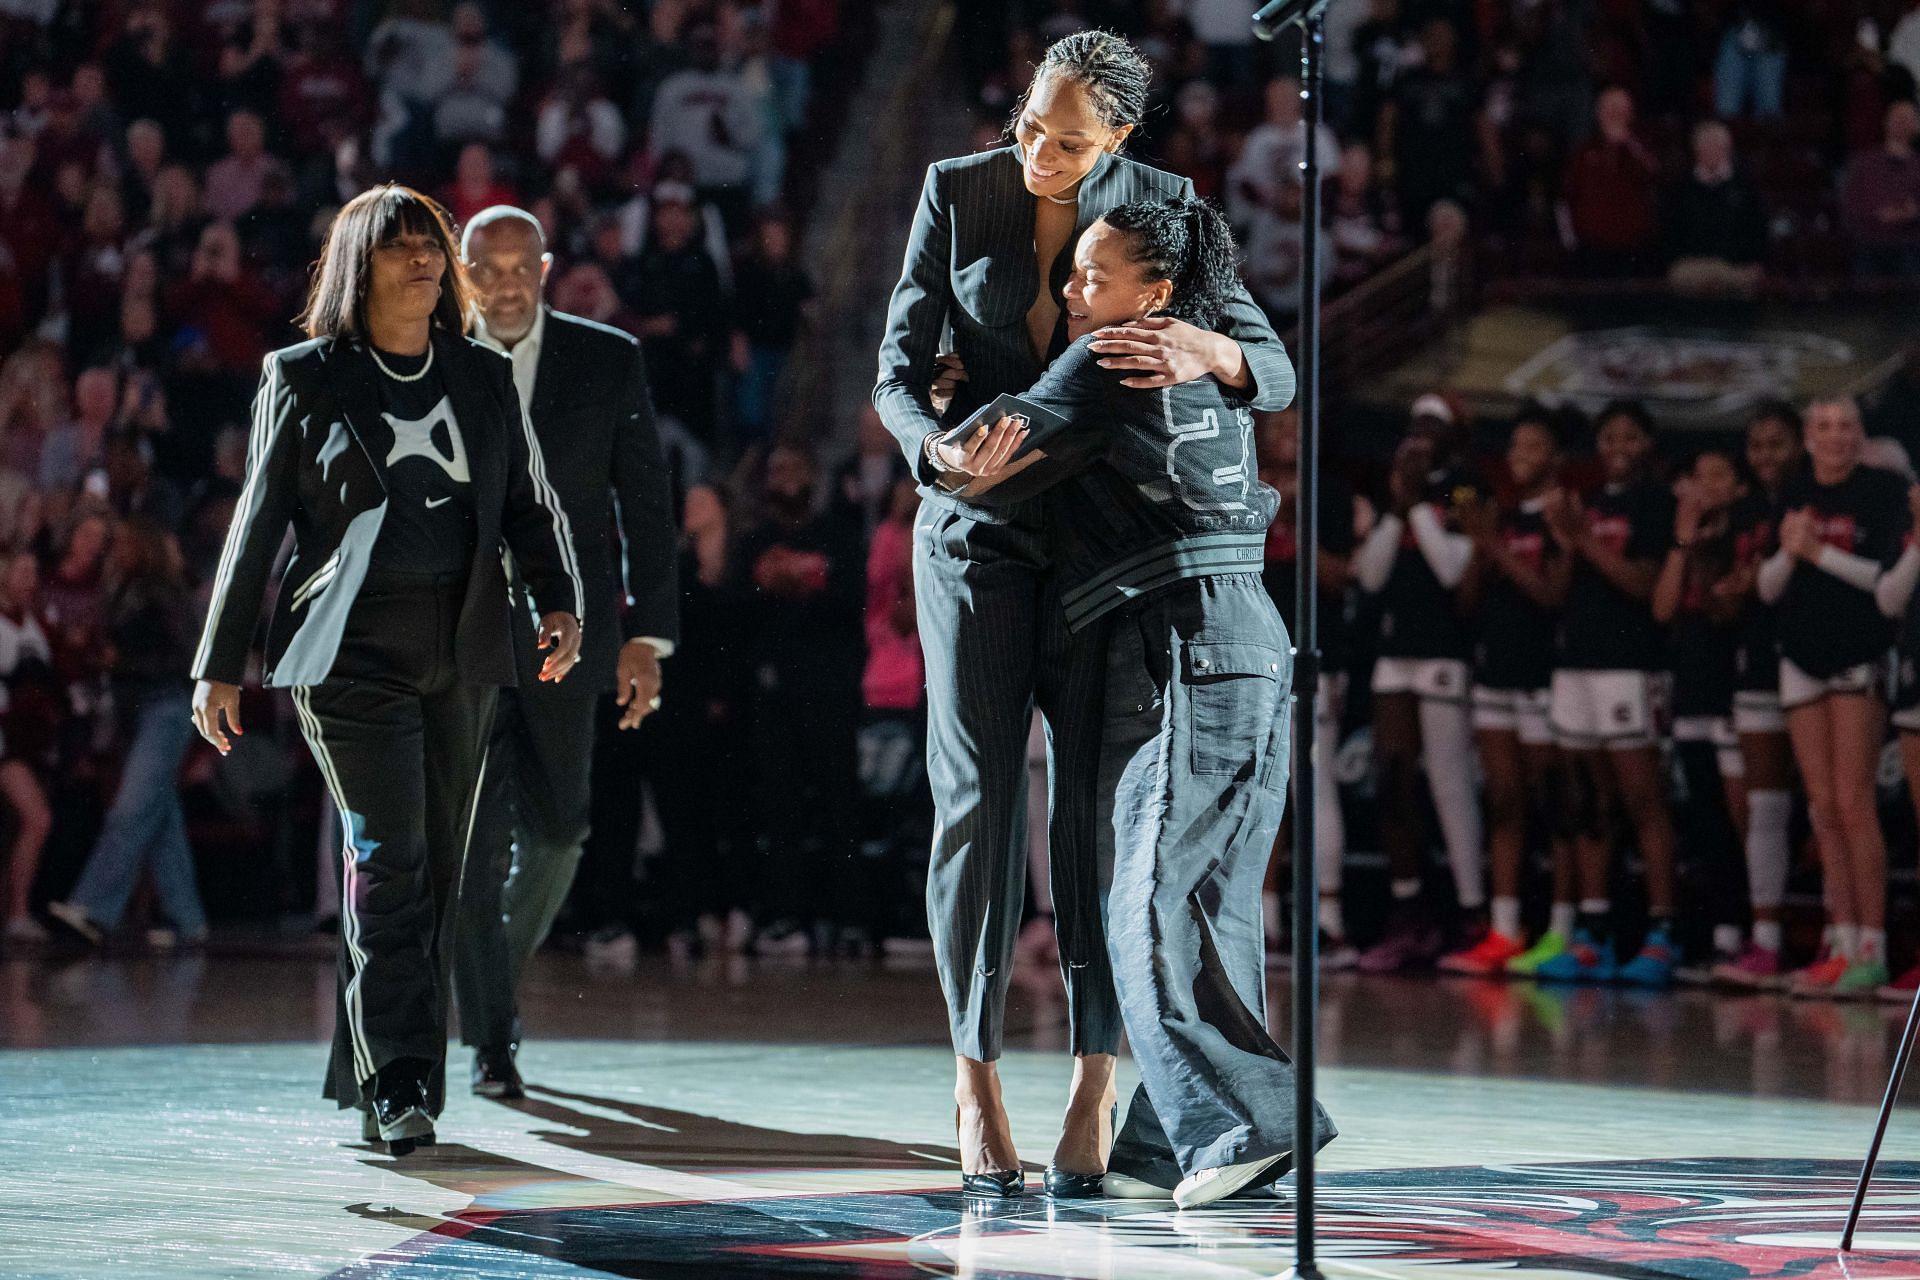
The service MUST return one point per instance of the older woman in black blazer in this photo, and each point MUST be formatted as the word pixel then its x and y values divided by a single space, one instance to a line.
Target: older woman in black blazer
pixel 396 450
pixel 991 248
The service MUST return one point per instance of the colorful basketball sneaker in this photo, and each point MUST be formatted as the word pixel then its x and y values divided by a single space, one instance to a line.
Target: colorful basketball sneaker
pixel 1862 980
pixel 1584 960
pixel 1755 966
pixel 1817 979
pixel 1486 958
pixel 1653 966
pixel 1901 989
pixel 1551 944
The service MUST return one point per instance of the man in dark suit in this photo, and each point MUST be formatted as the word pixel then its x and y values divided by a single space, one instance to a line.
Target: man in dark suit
pixel 584 389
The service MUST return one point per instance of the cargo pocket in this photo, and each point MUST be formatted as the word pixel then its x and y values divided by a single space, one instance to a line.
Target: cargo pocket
pixel 1233 696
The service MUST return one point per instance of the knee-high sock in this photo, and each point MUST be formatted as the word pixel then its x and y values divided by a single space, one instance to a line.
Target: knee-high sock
pixel 1767 850
pixel 1446 748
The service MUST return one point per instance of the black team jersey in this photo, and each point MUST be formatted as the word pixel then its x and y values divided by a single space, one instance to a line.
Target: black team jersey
pixel 1513 633
pixel 1419 617
pixel 1827 625
pixel 1602 628
pixel 1281 572
pixel 1701 652
pixel 1754 527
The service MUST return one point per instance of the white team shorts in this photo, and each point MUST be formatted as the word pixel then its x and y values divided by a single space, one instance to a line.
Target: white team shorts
pixel 1798 689
pixel 1719 731
pixel 1758 711
pixel 1444 679
pixel 1594 709
pixel 1527 712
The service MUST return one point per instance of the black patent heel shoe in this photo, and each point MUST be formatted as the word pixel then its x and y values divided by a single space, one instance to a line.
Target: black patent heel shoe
pixel 1000 1184
pixel 1064 1184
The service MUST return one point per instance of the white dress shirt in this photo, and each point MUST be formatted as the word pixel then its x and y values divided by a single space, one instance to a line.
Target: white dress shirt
pixel 525 355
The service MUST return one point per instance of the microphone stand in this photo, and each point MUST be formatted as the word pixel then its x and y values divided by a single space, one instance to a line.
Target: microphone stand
pixel 1901 1061
pixel 1267 23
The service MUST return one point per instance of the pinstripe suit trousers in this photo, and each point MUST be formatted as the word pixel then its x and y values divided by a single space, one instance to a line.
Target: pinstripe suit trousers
pixel 996 642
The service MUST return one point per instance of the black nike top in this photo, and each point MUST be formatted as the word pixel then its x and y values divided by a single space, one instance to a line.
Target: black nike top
pixel 1602 628
pixel 429 525
pixel 1513 633
pixel 1827 625
pixel 1757 659
pixel 1703 653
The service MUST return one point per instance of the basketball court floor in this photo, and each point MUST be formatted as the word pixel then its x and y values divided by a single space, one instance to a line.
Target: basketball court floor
pixel 160 1117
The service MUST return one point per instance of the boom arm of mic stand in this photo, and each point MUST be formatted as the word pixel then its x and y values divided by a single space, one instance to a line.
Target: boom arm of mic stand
pixel 1270 19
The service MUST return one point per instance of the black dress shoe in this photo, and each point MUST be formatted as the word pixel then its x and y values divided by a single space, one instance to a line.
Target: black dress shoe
pixel 1064 1184
pixel 401 1113
pixel 1001 1184
pixel 495 1075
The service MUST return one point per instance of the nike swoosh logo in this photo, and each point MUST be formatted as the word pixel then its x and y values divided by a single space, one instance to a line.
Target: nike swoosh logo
pixel 435 502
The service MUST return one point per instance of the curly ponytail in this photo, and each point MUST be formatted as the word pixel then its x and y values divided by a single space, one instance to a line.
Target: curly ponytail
pixel 1188 242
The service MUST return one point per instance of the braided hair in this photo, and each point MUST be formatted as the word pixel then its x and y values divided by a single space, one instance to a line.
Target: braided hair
pixel 1187 241
pixel 1112 71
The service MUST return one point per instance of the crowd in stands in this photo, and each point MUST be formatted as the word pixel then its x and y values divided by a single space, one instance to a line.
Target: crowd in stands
pixel 166 170
pixel 1716 143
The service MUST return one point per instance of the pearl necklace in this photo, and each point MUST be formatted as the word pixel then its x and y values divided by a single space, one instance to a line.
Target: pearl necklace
pixel 1072 199
pixel 401 377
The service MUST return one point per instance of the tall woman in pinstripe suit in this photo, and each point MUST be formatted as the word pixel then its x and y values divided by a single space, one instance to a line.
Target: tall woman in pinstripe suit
pixel 396 450
pixel 990 249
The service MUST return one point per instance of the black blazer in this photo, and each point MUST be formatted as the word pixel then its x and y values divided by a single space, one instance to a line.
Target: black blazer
pixel 970 261
pixel 306 466
pixel 594 419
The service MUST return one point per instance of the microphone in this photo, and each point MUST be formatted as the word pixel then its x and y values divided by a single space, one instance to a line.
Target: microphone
pixel 1277 15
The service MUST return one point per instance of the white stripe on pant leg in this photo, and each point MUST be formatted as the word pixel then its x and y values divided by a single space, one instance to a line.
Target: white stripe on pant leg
pixel 349 920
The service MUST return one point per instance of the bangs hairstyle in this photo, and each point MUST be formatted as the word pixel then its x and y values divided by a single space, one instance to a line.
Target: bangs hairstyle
pixel 1186 241
pixel 338 304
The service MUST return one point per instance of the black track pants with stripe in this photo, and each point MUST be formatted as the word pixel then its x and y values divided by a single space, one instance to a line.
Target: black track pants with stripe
pixel 400 740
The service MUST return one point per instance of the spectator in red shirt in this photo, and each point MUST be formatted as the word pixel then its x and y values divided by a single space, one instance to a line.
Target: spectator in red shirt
pixel 1880 198
pixel 224 312
pixel 474 186
pixel 1610 195
pixel 320 85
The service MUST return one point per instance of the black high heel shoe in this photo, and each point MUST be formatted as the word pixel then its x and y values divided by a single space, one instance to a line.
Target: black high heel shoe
pixel 998 1184
pixel 1064 1184
pixel 1001 1184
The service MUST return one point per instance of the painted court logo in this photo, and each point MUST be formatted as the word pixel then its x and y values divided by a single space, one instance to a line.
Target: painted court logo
pixel 1717 1219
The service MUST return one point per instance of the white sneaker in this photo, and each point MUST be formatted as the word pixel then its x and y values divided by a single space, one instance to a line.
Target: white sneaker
pixel 1118 1186
pixel 1209 1185
pixel 76 919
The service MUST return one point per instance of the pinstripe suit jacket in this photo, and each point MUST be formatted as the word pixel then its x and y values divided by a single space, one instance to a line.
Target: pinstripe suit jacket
pixel 970 261
pixel 307 466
